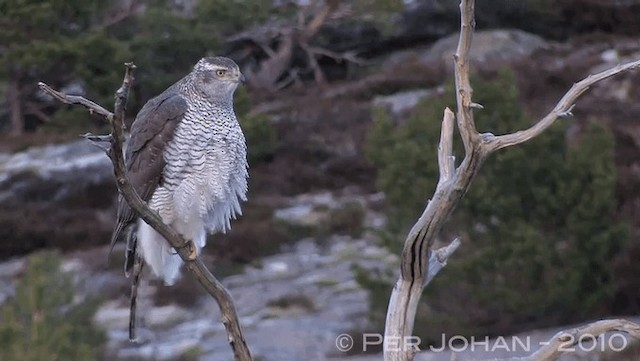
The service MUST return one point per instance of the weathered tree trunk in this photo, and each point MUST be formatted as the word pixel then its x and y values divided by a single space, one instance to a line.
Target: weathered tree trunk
pixel 399 344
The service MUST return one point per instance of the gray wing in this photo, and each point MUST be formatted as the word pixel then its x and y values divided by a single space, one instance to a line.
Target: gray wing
pixel 151 131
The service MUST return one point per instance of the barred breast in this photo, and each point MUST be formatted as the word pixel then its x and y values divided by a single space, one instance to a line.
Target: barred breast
pixel 205 176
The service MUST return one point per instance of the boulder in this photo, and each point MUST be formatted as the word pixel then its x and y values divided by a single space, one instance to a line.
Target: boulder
pixel 489 49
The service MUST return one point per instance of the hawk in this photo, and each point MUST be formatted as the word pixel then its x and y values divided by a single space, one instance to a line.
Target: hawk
pixel 187 158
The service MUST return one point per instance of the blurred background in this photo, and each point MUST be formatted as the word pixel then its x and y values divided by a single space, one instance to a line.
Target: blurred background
pixel 342 113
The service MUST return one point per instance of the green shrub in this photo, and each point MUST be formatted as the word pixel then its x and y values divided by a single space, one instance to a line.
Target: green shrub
pixel 229 17
pixel 538 218
pixel 42 322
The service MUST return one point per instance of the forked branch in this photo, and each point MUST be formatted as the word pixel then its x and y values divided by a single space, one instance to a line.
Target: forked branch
pixel 196 267
pixel 564 107
pixel 418 265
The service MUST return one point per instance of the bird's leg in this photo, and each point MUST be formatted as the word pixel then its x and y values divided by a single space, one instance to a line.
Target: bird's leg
pixel 191 248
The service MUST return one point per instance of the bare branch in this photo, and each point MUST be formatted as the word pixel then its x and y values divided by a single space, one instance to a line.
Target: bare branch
pixel 564 341
pixel 438 259
pixel 75 99
pixel 318 74
pixel 312 28
pixel 277 64
pixel 464 91
pixel 417 250
pixel 195 266
pixel 349 56
pixel 290 38
pixel 445 147
pixel 102 142
pixel 563 108
pixel 98 138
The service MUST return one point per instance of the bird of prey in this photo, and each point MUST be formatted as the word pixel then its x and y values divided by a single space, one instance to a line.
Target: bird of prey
pixel 187 158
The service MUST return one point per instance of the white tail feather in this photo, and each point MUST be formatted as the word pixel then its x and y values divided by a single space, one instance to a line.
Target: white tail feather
pixel 161 258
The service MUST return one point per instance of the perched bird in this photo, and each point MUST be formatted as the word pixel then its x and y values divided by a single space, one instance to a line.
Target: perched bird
pixel 187 158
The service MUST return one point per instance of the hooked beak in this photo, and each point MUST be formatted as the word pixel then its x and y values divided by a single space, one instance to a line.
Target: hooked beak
pixel 242 79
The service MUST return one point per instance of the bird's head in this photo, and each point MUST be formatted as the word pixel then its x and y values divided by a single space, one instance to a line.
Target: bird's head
pixel 217 77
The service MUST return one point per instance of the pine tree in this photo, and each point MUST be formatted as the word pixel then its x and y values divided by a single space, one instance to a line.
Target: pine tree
pixel 41 322
pixel 58 42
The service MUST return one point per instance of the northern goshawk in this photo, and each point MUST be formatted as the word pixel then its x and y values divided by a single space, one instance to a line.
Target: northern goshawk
pixel 187 158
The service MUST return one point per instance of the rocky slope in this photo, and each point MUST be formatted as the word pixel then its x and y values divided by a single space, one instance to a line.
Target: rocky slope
pixel 302 304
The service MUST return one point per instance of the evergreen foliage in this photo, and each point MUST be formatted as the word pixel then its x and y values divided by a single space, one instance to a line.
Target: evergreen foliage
pixel 58 42
pixel 42 321
pixel 70 43
pixel 231 16
pixel 538 218
pixel 63 42
pixel 165 46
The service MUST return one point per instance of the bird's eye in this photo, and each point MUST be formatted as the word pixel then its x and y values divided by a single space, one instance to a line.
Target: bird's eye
pixel 220 72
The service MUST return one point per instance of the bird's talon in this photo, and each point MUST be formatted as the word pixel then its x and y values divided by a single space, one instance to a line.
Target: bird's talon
pixel 193 251
pixel 191 248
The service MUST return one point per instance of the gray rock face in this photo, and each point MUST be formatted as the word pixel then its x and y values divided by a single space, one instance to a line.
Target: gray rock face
pixel 489 49
pixel 492 46
pixel 292 307
pixel 402 102
pixel 56 195
pixel 64 167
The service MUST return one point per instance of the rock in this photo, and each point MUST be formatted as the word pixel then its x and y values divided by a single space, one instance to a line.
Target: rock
pixel 491 47
pixel 284 299
pixel 9 271
pixel 55 195
pixel 112 315
pixel 401 102
pixel 490 50
pixel 276 268
pixel 302 214
pixel 165 316
pixel 68 166
pixel 345 212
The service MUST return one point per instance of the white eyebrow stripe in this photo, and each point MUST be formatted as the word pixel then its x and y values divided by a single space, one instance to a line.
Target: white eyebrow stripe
pixel 210 66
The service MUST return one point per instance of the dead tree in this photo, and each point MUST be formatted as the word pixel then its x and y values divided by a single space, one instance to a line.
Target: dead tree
pixel 281 43
pixel 419 263
pixel 196 267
